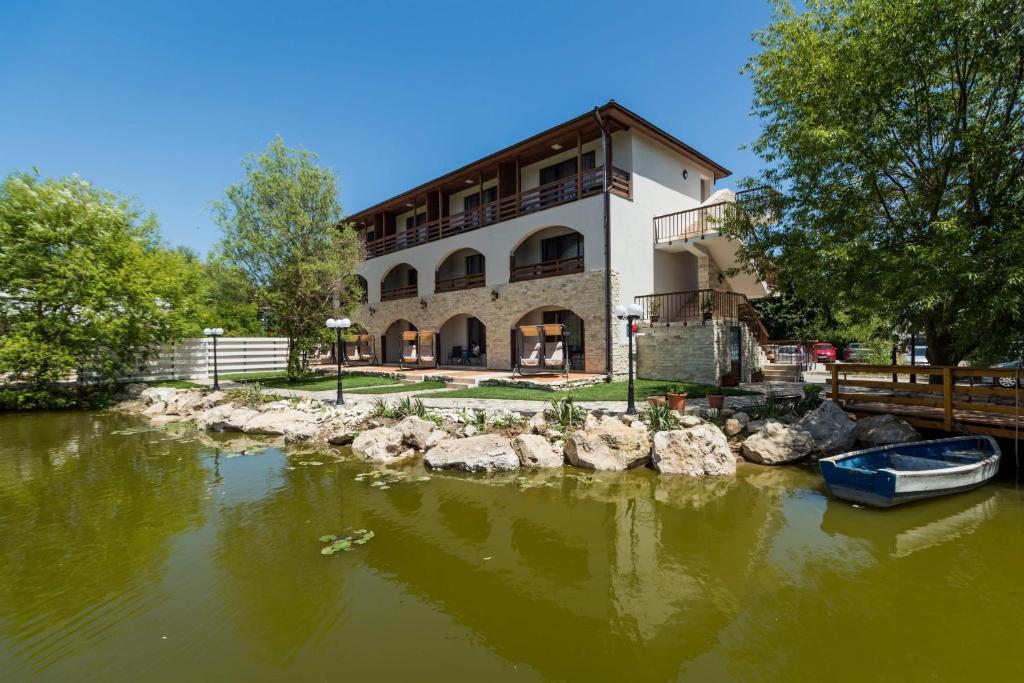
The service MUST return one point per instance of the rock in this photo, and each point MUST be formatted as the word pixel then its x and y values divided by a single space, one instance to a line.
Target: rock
pixel 419 433
pixel 883 430
pixel 742 418
pixel 536 451
pixel 299 432
pixel 213 398
pixel 726 413
pixel 134 389
pixel 469 430
pixel 697 451
pixel 339 435
pixel 215 418
pixel 537 424
pixel 590 421
pixel 754 426
pixel 638 425
pixel 484 453
pixel 161 420
pixel 833 431
pixel 777 443
pixel 278 422
pixel 158 395
pixel 689 420
pixel 608 445
pixel 158 408
pixel 239 417
pixel 733 426
pixel 184 403
pixel 382 444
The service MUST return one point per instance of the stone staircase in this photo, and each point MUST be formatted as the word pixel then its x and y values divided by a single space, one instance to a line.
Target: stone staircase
pixel 775 372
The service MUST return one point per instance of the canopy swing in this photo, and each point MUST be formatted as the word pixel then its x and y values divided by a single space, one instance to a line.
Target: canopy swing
pixel 539 353
pixel 418 350
pixel 360 350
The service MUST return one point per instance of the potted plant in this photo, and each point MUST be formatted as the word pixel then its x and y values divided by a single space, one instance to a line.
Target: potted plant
pixel 757 375
pixel 730 380
pixel 716 399
pixel 655 310
pixel 677 398
pixel 708 308
pixel 655 400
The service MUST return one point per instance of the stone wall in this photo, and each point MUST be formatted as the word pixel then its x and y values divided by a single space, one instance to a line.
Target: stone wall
pixel 582 293
pixel 692 353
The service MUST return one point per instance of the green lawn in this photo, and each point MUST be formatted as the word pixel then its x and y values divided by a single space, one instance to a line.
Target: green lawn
pixel 175 384
pixel 331 382
pixel 255 376
pixel 396 388
pixel 608 391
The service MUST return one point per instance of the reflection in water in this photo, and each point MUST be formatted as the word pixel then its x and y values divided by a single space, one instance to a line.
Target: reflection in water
pixel 137 556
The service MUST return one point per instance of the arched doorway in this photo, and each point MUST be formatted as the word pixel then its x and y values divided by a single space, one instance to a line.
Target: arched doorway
pixel 391 341
pixel 400 283
pixel 463 341
pixel 574 331
pixel 462 269
pixel 548 252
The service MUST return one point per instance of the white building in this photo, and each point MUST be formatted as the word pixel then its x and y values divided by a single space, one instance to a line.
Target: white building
pixel 603 209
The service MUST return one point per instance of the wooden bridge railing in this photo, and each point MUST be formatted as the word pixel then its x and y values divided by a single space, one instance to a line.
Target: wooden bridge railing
pixel 959 399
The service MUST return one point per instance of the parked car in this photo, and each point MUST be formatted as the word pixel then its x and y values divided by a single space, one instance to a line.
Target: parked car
pixel 788 353
pixel 1006 382
pixel 855 351
pixel 824 352
pixel 920 355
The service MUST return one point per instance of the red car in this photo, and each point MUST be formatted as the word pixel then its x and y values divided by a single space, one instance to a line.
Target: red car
pixel 824 352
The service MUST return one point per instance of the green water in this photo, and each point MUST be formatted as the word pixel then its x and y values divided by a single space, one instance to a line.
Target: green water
pixel 132 555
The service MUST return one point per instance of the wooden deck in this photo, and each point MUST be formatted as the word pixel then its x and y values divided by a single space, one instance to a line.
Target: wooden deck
pixel 963 402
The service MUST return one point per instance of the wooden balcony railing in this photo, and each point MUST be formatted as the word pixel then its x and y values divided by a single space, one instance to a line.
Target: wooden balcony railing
pixel 454 284
pixel 698 222
pixel 562 191
pixel 399 293
pixel 535 271
pixel 700 306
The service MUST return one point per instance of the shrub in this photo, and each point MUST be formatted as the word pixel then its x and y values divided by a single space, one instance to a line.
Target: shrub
pixel 565 412
pixel 659 418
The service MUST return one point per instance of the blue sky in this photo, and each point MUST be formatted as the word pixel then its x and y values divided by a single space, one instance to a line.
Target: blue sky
pixel 161 100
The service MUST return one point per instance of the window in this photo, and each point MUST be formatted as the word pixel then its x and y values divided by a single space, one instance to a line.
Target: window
pixel 476 334
pixel 705 188
pixel 564 169
pixel 561 247
pixel 410 277
pixel 474 264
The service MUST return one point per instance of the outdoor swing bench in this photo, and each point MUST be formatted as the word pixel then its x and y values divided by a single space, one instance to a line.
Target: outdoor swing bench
pixel 541 350
pixel 360 350
pixel 419 350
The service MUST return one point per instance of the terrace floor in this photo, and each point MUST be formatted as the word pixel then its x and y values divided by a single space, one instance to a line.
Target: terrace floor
pixel 462 376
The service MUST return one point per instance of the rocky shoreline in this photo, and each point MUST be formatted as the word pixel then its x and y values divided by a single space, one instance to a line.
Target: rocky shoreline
pixel 700 442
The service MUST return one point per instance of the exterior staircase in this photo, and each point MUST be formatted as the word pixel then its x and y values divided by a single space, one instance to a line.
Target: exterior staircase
pixel 781 372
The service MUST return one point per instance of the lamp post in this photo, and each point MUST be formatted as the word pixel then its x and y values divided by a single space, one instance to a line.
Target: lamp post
pixel 214 332
pixel 338 326
pixel 630 314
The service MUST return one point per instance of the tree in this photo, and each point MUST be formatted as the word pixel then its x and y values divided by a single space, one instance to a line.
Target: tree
pixel 85 283
pixel 894 130
pixel 281 229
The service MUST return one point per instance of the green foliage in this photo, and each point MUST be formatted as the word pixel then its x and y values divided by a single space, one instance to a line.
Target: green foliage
pixel 345 542
pixel 404 408
pixel 475 418
pixel 381 408
pixel 55 398
pixel 509 421
pixel 252 395
pixel 565 413
pixel 280 229
pixel 84 282
pixel 659 418
pixel 811 398
pixel 895 131
pixel 772 405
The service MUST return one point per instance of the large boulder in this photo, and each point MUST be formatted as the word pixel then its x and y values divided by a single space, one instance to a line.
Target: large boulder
pixel 239 417
pixel 777 443
pixel 883 430
pixel 833 431
pixel 383 445
pixel 484 453
pixel 158 395
pixel 215 419
pixel 185 403
pixel 608 445
pixel 419 433
pixel 157 408
pixel 696 451
pixel 278 422
pixel 536 451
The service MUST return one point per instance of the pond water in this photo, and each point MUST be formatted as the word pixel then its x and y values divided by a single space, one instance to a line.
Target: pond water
pixel 131 554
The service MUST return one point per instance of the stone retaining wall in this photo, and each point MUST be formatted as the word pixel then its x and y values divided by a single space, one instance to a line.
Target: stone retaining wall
pixel 692 353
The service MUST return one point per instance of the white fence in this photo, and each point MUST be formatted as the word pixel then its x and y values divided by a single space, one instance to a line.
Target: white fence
pixel 193 358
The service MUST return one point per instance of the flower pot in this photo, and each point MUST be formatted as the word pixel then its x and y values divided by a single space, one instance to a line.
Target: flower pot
pixel 655 400
pixel 730 381
pixel 677 401
pixel 716 401
pixel 757 376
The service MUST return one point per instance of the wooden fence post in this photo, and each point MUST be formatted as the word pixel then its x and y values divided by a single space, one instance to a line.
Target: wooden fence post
pixel 835 383
pixel 947 398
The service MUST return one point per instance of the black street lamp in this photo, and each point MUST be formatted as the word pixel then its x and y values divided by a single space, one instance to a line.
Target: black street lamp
pixel 338 326
pixel 630 314
pixel 214 332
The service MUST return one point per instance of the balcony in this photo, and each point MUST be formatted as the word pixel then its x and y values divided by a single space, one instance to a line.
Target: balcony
pixel 454 284
pixel 696 223
pixel 698 306
pixel 406 292
pixel 562 191
pixel 536 271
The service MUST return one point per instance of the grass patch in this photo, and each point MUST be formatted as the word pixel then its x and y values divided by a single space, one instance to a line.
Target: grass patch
pixel 174 384
pixel 607 391
pixel 255 376
pixel 331 382
pixel 397 388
